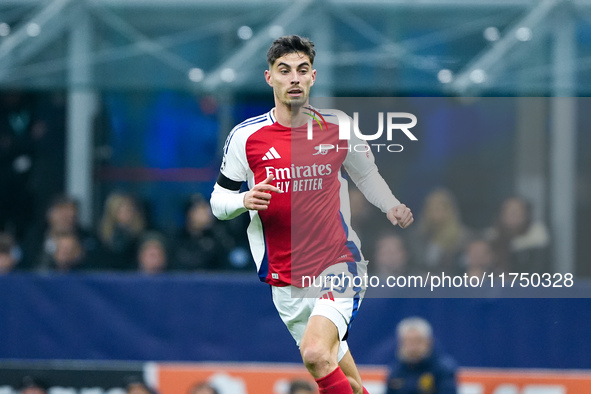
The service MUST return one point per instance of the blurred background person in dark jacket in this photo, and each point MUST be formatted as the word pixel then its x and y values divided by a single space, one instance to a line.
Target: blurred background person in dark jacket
pixel 419 368
pixel 203 243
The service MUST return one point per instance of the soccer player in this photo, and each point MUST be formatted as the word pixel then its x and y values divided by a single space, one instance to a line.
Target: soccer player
pixel 299 209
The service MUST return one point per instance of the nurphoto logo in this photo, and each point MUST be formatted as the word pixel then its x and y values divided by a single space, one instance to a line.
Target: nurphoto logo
pixel 345 127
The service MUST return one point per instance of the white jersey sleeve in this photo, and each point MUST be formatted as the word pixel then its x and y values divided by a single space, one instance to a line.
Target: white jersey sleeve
pixel 226 200
pixel 361 167
pixel 234 163
pixel 225 203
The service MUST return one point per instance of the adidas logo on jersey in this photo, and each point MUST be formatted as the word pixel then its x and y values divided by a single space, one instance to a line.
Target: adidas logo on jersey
pixel 327 296
pixel 271 154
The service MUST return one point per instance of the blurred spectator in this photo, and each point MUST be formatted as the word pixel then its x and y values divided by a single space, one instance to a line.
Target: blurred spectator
pixel 152 254
pixel 203 243
pixel 31 385
pixel 419 368
pixel 519 244
pixel 202 388
pixel 68 255
pixel 61 218
pixel 391 257
pixel 301 387
pixel 440 235
pixel 121 227
pixel 9 253
pixel 478 258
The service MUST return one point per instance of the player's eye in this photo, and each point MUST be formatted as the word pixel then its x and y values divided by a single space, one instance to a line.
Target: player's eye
pixel 283 71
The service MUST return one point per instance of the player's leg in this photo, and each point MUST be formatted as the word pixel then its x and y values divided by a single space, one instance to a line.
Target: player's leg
pixel 320 330
pixel 350 370
pixel 319 348
pixel 338 304
pixel 318 321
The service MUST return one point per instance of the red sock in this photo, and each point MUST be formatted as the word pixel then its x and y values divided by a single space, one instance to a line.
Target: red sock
pixel 365 391
pixel 334 383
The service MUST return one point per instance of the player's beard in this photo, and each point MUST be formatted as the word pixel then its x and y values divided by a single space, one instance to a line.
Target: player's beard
pixel 294 104
pixel 295 107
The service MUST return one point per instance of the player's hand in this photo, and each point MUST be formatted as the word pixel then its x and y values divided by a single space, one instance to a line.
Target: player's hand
pixel 400 215
pixel 259 197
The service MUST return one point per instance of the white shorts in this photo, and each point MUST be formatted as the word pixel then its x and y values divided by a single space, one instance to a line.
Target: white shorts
pixel 334 294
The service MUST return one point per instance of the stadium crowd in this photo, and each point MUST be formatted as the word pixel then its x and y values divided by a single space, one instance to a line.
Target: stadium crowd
pixel 124 241
pixel 40 230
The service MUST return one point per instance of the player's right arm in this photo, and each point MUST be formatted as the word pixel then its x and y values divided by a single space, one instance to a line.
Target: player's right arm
pixel 226 200
pixel 227 203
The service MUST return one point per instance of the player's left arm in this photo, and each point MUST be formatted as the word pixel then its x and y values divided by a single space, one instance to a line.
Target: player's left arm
pixel 362 169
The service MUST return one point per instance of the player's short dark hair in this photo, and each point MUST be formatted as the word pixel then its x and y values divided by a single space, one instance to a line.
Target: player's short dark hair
pixel 290 44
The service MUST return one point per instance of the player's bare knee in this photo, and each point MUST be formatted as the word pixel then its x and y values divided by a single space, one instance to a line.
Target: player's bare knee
pixel 316 358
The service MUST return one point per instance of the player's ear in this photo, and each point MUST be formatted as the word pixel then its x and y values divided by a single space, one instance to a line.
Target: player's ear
pixel 313 77
pixel 268 77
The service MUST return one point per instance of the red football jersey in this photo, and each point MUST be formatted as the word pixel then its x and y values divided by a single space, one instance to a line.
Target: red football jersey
pixel 307 227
